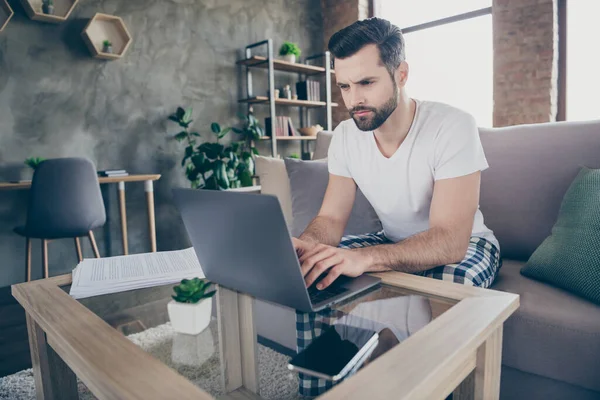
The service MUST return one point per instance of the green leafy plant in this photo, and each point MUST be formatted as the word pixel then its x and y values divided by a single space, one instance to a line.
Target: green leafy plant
pixel 107 43
pixel 289 48
pixel 213 165
pixel 294 155
pixel 192 291
pixel 33 162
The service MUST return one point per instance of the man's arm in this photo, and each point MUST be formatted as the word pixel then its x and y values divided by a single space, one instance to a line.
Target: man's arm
pixel 452 211
pixel 329 224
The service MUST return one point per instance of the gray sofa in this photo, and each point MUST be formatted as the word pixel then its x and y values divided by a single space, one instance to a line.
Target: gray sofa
pixel 552 343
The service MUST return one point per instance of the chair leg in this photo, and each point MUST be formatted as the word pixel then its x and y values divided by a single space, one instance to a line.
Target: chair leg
pixel 28 259
pixel 45 257
pixel 93 242
pixel 78 247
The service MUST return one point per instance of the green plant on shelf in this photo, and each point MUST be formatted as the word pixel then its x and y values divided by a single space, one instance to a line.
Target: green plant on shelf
pixel 33 162
pixel 213 165
pixel 288 48
pixel 192 291
pixel 294 155
pixel 106 43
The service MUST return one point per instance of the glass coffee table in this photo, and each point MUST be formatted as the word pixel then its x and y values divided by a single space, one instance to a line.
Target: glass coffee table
pixel 436 339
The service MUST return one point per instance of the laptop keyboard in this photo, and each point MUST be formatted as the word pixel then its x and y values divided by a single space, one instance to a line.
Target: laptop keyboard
pixel 317 296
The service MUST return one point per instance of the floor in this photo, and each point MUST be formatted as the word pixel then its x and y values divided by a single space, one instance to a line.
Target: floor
pixel 14 345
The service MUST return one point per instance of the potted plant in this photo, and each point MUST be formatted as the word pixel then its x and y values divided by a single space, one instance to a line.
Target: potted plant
pixel 33 162
pixel 107 46
pixel 191 307
pixel 48 7
pixel 289 51
pixel 213 165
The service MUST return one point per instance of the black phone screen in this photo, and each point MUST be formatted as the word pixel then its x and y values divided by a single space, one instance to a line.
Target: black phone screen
pixel 333 350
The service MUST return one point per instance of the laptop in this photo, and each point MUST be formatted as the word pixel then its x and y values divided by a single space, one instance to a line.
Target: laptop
pixel 242 242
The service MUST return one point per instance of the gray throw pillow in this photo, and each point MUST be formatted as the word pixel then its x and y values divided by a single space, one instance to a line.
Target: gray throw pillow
pixel 570 257
pixel 308 182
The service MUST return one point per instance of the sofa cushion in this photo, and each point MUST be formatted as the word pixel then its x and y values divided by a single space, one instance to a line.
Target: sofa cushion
pixel 308 182
pixel 274 180
pixel 553 333
pixel 531 167
pixel 516 385
pixel 570 257
pixel 322 144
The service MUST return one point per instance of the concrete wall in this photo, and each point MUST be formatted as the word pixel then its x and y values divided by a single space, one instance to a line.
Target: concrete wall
pixel 55 101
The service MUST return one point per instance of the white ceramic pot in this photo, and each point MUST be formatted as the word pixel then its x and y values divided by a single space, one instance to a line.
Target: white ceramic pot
pixel 289 58
pixel 190 318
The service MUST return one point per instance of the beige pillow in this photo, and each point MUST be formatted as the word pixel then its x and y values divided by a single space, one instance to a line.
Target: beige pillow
pixel 274 180
pixel 322 145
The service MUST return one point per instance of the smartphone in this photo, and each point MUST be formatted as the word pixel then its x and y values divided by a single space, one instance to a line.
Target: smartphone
pixel 336 352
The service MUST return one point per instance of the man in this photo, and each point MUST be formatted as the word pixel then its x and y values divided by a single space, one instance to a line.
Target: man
pixel 417 162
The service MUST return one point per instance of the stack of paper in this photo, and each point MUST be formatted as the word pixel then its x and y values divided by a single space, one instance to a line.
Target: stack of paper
pixel 96 276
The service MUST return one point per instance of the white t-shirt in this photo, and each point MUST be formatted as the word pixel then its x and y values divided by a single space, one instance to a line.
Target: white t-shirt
pixel 443 142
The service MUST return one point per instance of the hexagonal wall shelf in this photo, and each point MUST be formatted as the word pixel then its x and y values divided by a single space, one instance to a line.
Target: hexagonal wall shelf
pixel 6 14
pixel 106 27
pixel 62 10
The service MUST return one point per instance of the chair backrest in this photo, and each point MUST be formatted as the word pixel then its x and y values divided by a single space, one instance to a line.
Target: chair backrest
pixel 65 199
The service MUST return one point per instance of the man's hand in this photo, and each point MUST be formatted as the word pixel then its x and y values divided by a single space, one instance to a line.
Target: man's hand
pixel 302 246
pixel 322 258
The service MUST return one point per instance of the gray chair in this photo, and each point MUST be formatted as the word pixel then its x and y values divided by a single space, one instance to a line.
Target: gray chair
pixel 64 202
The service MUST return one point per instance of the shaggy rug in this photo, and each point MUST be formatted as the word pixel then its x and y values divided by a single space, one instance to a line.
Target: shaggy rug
pixel 195 357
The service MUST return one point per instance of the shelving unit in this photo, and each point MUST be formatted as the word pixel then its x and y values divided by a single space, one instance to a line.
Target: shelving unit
pixel 287 102
pixel 6 14
pixel 304 70
pixel 62 10
pixel 106 27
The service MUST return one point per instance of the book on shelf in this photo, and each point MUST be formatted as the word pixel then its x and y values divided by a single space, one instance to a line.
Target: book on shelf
pixel 283 127
pixel 97 276
pixel 309 90
pixel 113 172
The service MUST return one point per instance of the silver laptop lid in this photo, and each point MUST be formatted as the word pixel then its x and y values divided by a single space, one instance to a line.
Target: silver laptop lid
pixel 242 242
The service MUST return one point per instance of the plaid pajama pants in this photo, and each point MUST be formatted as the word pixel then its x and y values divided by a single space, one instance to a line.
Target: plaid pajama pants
pixel 478 268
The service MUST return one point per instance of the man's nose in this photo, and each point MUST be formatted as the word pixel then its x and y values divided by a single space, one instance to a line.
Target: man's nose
pixel 356 98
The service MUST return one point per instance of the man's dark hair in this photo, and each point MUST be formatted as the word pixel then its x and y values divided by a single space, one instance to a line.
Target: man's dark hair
pixel 388 38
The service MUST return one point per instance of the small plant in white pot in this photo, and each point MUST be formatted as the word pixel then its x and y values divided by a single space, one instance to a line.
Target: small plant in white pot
pixel 289 52
pixel 107 46
pixel 191 307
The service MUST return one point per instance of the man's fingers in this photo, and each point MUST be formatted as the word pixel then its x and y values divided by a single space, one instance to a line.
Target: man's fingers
pixel 312 251
pixel 311 261
pixel 333 274
pixel 320 268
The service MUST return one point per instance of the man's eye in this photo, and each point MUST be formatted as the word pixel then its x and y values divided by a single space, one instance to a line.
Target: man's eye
pixel 344 87
pixel 366 83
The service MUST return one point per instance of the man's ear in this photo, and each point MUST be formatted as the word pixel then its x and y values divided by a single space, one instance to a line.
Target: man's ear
pixel 401 74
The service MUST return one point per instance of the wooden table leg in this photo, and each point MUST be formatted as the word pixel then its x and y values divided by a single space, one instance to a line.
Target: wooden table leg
pixel 484 382
pixel 45 257
pixel 123 213
pixel 489 364
pixel 53 378
pixel 151 223
pixel 237 341
pixel 78 249
pixel 28 259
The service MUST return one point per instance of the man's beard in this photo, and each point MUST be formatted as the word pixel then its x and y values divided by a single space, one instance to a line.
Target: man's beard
pixel 379 115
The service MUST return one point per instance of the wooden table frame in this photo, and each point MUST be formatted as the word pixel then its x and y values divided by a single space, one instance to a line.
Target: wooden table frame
pixel 458 352
pixel 120 180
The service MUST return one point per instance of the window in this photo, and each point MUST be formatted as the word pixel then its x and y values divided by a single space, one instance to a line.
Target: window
pixel 582 60
pixel 449 51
